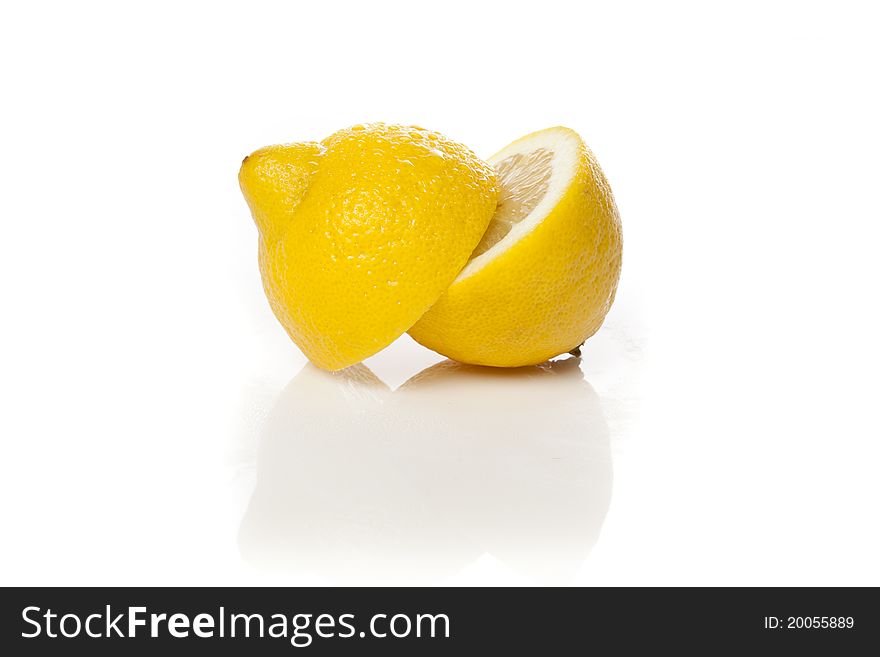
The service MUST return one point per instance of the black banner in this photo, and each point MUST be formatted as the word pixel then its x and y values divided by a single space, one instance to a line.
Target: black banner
pixel 114 621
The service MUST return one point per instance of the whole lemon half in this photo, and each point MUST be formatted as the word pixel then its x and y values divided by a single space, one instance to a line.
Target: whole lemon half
pixel 360 234
pixel 545 273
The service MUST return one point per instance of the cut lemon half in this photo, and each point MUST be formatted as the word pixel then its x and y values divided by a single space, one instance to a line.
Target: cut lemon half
pixel 362 233
pixel 545 272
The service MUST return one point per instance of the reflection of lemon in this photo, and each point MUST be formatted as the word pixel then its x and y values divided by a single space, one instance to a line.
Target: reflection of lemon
pixel 537 441
pixel 365 485
pixel 544 275
pixel 360 234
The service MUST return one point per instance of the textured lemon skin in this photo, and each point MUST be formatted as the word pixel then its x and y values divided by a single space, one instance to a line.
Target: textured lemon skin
pixel 378 222
pixel 546 294
pixel 274 181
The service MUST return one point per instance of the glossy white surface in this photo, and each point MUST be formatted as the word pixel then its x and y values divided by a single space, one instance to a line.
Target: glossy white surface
pixel 158 427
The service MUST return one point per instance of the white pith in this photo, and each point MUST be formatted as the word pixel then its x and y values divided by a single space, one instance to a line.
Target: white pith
pixel 564 146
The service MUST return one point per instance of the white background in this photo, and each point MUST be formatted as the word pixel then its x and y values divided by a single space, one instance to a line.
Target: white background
pixel 732 392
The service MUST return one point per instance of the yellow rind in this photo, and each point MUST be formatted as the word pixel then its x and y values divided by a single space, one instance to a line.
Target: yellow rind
pixel 358 247
pixel 546 293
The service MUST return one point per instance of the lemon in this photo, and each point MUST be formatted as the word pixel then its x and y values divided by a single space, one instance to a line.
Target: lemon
pixel 544 275
pixel 361 233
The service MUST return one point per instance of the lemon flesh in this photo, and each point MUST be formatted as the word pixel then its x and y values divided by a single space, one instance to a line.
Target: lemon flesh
pixel 362 233
pixel 545 273
pixel 522 181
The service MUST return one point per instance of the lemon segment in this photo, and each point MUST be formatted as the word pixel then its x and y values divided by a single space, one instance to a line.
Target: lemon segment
pixel 545 273
pixel 523 180
pixel 362 233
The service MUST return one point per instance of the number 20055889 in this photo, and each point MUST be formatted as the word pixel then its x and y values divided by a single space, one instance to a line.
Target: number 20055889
pixel 809 622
